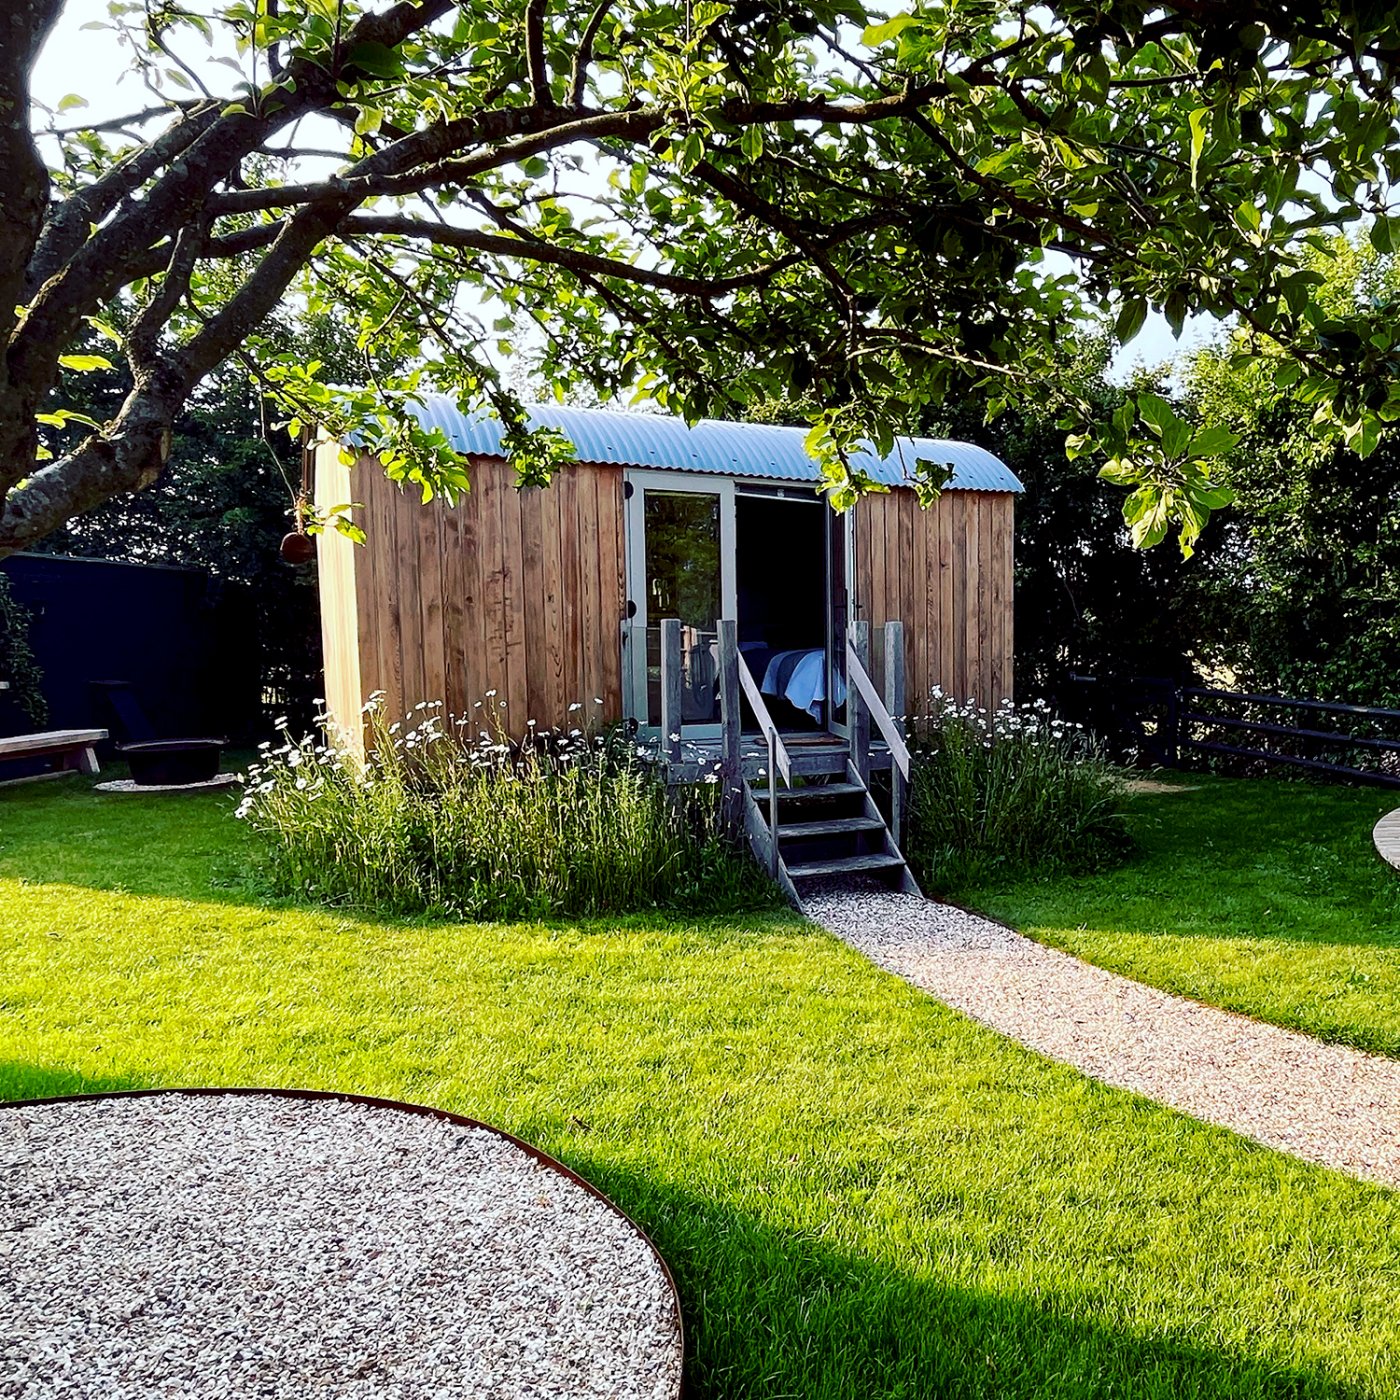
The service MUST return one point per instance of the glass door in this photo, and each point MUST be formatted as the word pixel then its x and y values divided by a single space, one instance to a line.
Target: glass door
pixel 680 547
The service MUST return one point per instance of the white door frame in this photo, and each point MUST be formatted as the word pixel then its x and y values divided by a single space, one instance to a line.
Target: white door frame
pixel 634 652
pixel 634 656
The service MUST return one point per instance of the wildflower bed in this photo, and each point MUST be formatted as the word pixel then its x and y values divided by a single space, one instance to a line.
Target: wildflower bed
pixel 861 1193
pixel 1013 789
pixel 445 815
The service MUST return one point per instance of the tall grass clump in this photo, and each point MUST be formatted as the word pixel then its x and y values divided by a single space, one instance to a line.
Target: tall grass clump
pixel 1012 791
pixel 434 821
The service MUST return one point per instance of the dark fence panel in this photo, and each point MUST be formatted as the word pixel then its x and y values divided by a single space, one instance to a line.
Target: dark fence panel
pixel 1166 724
pixel 181 640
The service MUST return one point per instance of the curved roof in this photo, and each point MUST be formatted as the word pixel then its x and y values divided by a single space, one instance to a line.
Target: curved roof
pixel 726 449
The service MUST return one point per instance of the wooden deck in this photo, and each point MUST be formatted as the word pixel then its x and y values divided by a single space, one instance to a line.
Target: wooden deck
pixel 813 755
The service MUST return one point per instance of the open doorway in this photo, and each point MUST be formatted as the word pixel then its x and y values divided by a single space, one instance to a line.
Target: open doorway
pixel 703 548
pixel 782 591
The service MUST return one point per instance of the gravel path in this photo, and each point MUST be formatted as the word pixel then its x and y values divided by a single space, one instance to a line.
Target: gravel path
pixel 262 1246
pixel 1323 1103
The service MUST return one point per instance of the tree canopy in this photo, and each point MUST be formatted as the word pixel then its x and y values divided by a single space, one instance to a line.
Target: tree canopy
pixel 712 203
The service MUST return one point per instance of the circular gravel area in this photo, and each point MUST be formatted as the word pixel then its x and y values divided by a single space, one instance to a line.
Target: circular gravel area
pixel 257 1245
pixel 1323 1103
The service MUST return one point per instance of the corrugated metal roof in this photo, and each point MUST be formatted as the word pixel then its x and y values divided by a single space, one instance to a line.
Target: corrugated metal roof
pixel 726 449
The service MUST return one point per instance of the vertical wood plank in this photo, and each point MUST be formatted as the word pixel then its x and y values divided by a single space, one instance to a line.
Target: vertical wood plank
pixel 946 660
pixel 588 600
pixel 339 581
pixel 917 638
pixel 474 608
pixel 986 504
pixel 960 603
pixel 556 703
pixel 454 625
pixel 533 607
pixel 908 581
pixel 611 591
pixel 990 516
pixel 1006 585
pixel 430 592
pixel 392 596
pixel 493 603
pixel 369 591
pixel 570 625
pixel 512 585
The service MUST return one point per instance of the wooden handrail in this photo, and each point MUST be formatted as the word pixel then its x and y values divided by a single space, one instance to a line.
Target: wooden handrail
pixel 754 696
pixel 875 706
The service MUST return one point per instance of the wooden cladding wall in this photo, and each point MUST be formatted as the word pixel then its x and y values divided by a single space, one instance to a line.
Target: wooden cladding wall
pixel 946 573
pixel 520 592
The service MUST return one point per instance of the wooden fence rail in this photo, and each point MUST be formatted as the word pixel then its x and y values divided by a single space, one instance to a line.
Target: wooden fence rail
pixel 1165 720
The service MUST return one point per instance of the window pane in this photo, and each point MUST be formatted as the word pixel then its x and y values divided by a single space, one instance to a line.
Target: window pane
pixel 683 581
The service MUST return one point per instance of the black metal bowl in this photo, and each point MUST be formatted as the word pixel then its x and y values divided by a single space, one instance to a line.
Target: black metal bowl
pixel 173 762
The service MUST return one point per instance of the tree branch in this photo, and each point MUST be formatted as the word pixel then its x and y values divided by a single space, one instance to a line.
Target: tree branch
pixel 534 53
pixel 583 55
pixel 577 260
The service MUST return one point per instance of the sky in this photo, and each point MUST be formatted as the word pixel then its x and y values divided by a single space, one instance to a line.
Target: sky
pixel 91 64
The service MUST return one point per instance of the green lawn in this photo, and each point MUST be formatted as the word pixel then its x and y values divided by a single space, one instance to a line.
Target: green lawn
pixel 861 1193
pixel 1266 897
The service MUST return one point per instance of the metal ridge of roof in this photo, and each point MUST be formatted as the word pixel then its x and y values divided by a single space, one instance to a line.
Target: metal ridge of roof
pixel 719 448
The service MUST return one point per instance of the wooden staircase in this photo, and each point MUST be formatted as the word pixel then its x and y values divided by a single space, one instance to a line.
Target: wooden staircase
pixel 812 816
pixel 826 828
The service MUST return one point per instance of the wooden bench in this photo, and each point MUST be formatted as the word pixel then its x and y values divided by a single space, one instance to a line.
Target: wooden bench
pixel 72 748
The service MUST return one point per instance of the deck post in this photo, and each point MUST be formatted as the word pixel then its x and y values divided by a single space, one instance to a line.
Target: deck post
pixel 894 703
pixel 858 715
pixel 730 713
pixel 672 688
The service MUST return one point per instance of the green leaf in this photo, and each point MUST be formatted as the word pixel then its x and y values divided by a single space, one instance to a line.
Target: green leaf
pixel 1119 472
pixel 877 34
pixel 375 58
pixel 1212 442
pixel 1385 233
pixel 1197 124
pixel 1130 319
pixel 66 104
pixel 1156 412
pixel 690 152
pixel 84 364
pixel 751 142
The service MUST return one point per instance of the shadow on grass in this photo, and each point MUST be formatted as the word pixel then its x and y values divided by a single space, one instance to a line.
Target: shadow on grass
pixel 19 1080
pixel 191 847
pixel 784 1314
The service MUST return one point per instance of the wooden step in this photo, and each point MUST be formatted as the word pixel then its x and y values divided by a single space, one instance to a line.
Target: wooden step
pixel 818 761
pixel 833 826
pixel 811 791
pixel 847 865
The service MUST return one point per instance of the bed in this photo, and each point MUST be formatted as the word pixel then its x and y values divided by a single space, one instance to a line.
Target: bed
pixel 799 677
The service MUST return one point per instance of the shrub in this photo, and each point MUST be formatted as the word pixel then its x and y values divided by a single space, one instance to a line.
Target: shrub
pixel 433 821
pixel 1012 791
